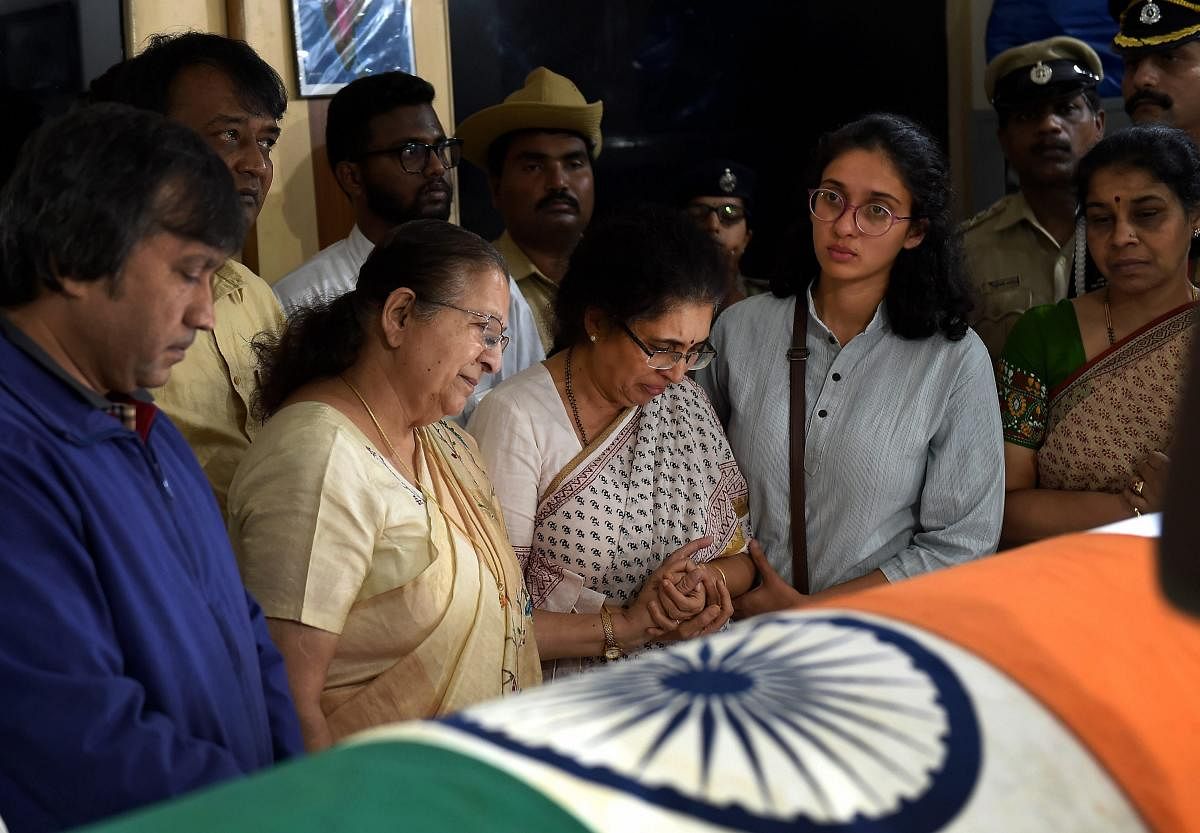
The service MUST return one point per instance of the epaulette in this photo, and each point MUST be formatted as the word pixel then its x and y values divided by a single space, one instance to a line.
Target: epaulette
pixel 987 214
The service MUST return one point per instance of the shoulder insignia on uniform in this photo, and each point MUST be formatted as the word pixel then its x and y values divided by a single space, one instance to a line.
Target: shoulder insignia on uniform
pixel 987 213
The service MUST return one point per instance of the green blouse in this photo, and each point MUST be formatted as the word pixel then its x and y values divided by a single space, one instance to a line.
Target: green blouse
pixel 1042 351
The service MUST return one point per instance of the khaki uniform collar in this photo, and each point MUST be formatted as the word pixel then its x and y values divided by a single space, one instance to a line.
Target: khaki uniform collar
pixel 1017 209
pixel 519 264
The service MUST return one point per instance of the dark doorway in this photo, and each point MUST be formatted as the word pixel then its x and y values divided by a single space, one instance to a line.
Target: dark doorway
pixel 755 81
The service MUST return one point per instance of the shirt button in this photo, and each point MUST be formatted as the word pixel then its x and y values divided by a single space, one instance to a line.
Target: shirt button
pixel 832 340
pixel 822 413
pixel 237 381
pixel 837 377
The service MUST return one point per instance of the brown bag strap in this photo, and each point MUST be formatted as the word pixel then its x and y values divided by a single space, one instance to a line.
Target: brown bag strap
pixel 798 361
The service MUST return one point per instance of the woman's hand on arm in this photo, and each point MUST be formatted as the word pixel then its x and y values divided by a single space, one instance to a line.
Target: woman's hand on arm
pixel 772 593
pixel 307 653
pixel 1031 514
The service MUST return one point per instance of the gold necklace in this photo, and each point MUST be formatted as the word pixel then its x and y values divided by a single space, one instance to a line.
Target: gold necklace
pixel 406 469
pixel 495 569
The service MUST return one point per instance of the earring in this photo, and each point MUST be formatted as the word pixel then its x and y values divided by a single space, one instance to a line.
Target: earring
pixel 592 336
pixel 1196 232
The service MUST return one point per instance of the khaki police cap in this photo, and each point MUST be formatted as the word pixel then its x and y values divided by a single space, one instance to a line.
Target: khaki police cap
pixel 1039 70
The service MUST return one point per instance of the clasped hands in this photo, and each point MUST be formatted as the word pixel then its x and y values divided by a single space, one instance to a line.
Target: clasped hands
pixel 681 599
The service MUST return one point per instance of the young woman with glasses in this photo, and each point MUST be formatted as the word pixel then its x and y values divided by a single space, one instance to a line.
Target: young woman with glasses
pixel 607 458
pixel 903 461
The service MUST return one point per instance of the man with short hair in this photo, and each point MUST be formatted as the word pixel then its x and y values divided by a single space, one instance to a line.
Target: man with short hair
pixel 1159 41
pixel 391 157
pixel 234 100
pixel 718 195
pixel 1021 251
pixel 133 665
pixel 537 147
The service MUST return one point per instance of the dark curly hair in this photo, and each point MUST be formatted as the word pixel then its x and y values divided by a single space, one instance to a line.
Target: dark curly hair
pixel 635 266
pixel 928 291
pixel 431 257
pixel 1166 153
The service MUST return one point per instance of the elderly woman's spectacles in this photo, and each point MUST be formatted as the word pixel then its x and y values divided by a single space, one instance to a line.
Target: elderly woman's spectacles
pixel 414 156
pixel 872 219
pixel 491 331
pixel 667 359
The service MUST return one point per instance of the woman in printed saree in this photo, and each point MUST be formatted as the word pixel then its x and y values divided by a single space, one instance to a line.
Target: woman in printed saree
pixel 1088 386
pixel 365 525
pixel 606 457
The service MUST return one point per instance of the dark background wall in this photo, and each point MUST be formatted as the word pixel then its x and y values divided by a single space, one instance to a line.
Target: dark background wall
pixel 752 80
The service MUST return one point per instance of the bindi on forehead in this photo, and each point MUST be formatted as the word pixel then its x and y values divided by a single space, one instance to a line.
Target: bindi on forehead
pixel 1117 199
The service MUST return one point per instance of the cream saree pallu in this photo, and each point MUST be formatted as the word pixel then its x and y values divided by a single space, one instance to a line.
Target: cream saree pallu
pixel 463 627
pixel 658 477
pixel 1117 408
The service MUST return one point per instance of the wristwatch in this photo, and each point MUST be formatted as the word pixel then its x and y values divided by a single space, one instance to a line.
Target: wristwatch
pixel 612 650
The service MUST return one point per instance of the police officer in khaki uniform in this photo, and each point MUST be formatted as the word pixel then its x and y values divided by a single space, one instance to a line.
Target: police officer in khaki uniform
pixel 1021 250
pixel 1159 41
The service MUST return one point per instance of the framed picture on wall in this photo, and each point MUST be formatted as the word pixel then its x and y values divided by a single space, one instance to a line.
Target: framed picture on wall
pixel 340 40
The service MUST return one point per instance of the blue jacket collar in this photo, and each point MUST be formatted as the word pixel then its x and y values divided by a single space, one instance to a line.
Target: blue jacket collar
pixel 51 395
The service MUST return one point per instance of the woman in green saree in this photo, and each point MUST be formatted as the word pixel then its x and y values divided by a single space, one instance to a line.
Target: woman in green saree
pixel 1088 386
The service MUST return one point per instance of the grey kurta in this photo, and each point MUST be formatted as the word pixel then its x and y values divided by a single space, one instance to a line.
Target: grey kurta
pixel 904 457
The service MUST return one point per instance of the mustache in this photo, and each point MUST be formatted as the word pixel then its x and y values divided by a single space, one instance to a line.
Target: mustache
pixel 557 196
pixel 1141 96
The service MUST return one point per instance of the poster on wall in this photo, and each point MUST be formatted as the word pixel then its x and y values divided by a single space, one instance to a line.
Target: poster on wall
pixel 340 40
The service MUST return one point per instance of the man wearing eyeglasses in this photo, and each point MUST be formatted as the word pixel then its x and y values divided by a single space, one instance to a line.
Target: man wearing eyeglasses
pixel 718 195
pixel 1022 251
pixel 392 158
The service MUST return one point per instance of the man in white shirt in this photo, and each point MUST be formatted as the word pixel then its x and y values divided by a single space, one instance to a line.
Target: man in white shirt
pixel 391 157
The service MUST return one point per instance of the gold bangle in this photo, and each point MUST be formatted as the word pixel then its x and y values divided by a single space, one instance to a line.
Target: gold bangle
pixel 612 648
pixel 724 580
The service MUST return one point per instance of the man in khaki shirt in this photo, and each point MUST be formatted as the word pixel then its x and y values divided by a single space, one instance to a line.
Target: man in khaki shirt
pixel 224 91
pixel 1021 250
pixel 537 147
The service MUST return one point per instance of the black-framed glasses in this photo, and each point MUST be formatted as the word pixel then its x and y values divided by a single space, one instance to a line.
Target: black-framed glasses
pixel 491 330
pixel 728 213
pixel 414 156
pixel 873 219
pixel 667 359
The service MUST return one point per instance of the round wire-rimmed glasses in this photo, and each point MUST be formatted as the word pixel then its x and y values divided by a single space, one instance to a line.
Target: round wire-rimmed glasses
pixel 667 359
pixel 491 333
pixel 873 219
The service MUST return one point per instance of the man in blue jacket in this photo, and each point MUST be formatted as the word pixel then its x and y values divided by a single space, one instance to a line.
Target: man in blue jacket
pixel 133 665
